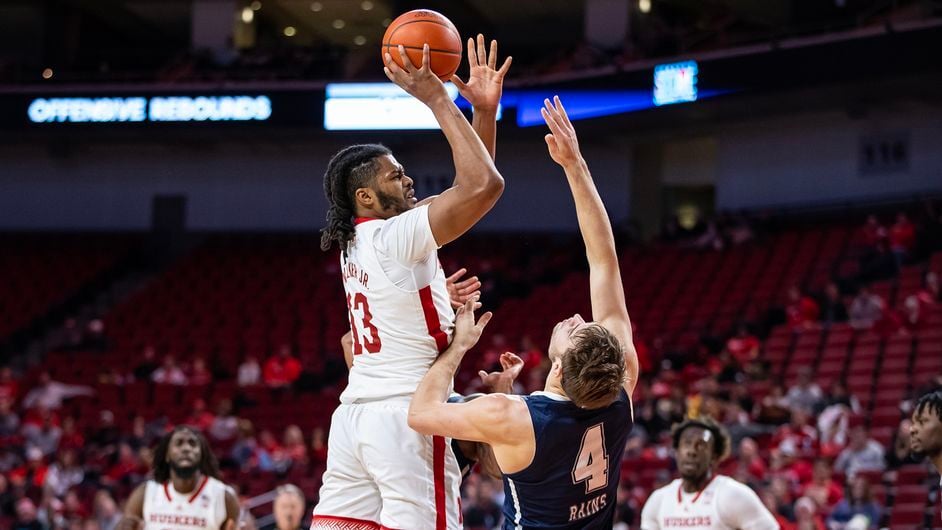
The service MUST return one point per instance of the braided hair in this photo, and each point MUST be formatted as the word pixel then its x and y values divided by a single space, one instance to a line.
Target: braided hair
pixel 351 168
pixel 931 402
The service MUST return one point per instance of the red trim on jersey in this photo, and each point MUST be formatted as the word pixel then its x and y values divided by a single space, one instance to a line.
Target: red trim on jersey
pixel 199 489
pixel 332 522
pixel 431 318
pixel 360 220
pixel 438 468
pixel 167 492
pixel 697 496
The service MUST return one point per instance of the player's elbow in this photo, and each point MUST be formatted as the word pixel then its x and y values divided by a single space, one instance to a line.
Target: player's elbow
pixel 490 188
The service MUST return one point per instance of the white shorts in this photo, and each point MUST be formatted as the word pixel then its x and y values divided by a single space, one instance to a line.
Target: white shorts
pixel 382 474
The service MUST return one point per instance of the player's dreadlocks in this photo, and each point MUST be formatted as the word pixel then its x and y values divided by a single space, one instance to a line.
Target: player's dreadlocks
pixel 931 402
pixel 721 439
pixel 208 464
pixel 348 170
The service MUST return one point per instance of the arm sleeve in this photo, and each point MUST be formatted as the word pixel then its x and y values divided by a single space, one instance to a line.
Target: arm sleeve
pixel 650 511
pixel 407 238
pixel 740 507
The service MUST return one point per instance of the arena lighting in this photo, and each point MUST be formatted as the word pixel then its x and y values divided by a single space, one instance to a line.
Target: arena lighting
pixel 149 109
pixel 378 106
pixel 675 83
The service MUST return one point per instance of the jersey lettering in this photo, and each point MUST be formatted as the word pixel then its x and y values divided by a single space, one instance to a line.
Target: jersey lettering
pixel 592 463
pixel 587 508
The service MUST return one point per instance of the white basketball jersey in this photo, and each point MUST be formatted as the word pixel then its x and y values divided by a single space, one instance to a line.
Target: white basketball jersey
pixel 167 509
pixel 398 306
pixel 724 504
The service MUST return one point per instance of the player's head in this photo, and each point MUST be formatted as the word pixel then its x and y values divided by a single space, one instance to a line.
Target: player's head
pixel 926 429
pixel 699 445
pixel 181 453
pixel 363 179
pixel 588 361
pixel 288 507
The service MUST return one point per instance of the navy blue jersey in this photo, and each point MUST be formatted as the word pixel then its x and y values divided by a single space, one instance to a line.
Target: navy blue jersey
pixel 573 479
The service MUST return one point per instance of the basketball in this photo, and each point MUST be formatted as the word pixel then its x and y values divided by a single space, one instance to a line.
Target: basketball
pixel 418 27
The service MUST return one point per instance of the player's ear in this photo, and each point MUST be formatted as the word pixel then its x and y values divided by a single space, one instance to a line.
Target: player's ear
pixel 364 197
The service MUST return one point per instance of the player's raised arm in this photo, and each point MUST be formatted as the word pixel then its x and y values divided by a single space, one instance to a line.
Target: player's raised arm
pixel 477 184
pixel 607 293
pixel 483 89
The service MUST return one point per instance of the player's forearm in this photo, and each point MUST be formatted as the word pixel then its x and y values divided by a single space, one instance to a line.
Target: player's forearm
pixel 474 168
pixel 593 218
pixel 484 123
pixel 433 390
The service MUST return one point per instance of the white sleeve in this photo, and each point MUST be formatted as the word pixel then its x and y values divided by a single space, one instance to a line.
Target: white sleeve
pixel 407 238
pixel 739 507
pixel 652 508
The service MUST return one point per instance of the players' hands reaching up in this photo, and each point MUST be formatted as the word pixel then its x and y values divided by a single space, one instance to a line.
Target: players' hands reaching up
pixel 503 381
pixel 467 331
pixel 562 141
pixel 419 81
pixel 459 292
pixel 485 81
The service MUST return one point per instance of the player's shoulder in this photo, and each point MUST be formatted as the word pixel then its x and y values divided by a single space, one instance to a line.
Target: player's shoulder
pixel 664 490
pixel 729 486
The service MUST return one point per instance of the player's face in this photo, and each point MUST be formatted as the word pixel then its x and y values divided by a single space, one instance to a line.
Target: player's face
pixel 562 338
pixel 694 452
pixel 393 188
pixel 184 453
pixel 288 511
pixel 925 433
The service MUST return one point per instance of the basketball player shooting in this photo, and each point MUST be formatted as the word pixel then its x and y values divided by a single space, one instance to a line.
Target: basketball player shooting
pixel 185 493
pixel 926 430
pixel 700 498
pixel 560 449
pixel 379 472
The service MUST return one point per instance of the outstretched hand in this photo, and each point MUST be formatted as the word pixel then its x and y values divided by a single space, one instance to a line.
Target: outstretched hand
pixel 419 82
pixel 562 141
pixel 459 292
pixel 503 381
pixel 467 331
pixel 485 80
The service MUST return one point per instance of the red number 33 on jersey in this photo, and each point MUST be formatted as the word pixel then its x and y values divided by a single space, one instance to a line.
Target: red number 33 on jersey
pixel 355 303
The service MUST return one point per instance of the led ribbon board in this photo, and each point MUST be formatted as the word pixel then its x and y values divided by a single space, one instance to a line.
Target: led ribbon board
pixel 149 109
pixel 377 106
pixel 675 83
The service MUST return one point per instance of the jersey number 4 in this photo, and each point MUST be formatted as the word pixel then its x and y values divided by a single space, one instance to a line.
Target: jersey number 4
pixel 372 344
pixel 591 465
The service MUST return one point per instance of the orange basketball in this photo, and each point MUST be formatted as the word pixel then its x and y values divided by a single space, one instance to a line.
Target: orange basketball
pixel 418 27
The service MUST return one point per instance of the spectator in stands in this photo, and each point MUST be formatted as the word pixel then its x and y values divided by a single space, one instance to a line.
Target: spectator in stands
pixel 7 509
pixel 9 388
pixel 124 469
pixel 199 417
pixel 63 474
pixel 199 374
pixel 106 511
pixel 483 510
pixel 807 516
pixel 862 453
pixel 169 373
pixel 931 293
pixel 250 373
pixel 33 473
pixel 749 462
pixel 770 502
pixel 914 316
pixel 743 346
pixel 9 421
pixel 281 370
pixel 858 502
pixel 899 454
pixel 288 507
pixel 294 446
pixel 50 394
pixel 799 431
pixel 833 310
pixel 822 488
pixel 805 394
pixel 269 455
pixel 147 366
pixel 244 447
pixel 44 436
pixel 26 516
pixel 318 447
pixel 786 463
pixel 107 435
pixel 773 409
pixel 902 238
pixel 225 425
pixel 866 309
pixel 801 310
pixel 138 437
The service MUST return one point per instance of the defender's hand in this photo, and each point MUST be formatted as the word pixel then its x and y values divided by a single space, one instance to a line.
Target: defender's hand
pixel 562 141
pixel 503 381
